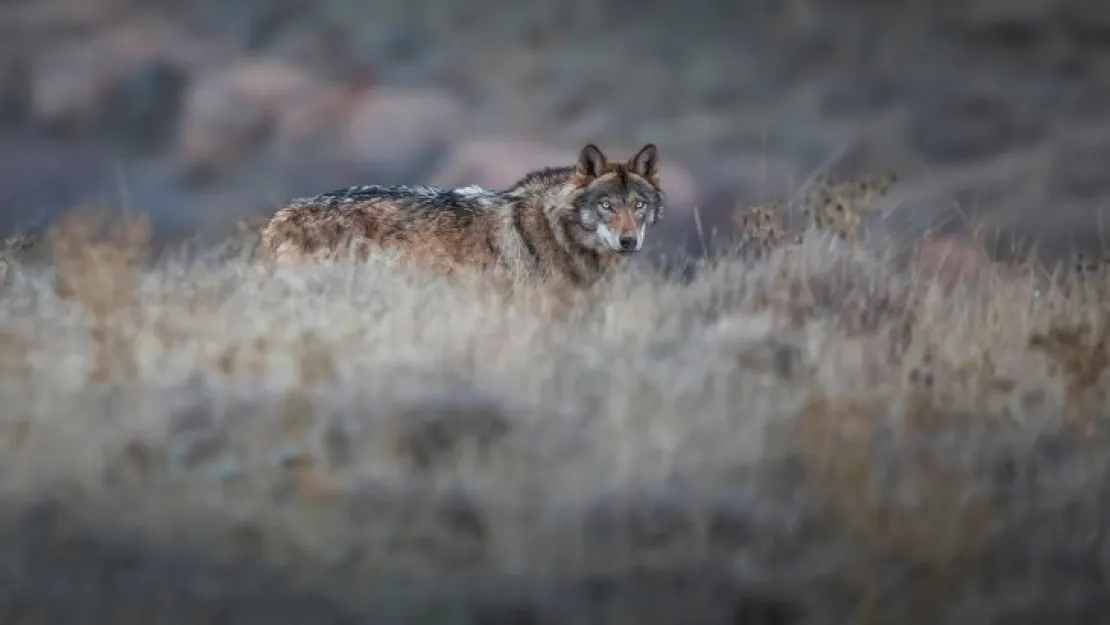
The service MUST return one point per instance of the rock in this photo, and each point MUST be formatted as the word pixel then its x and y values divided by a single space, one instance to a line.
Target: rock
pixel 497 162
pixel 127 79
pixel 397 133
pixel 67 85
pixel 62 15
pixel 229 112
pixel 951 128
pixel 681 189
pixel 251 25
pixel 311 115
pixel 144 108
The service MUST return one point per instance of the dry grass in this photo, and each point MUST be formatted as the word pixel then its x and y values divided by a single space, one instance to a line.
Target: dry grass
pixel 814 433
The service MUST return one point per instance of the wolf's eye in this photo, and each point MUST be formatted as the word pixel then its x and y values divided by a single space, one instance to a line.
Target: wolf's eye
pixel 640 204
pixel 605 205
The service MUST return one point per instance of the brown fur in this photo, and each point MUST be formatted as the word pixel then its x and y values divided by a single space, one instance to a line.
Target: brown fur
pixel 559 223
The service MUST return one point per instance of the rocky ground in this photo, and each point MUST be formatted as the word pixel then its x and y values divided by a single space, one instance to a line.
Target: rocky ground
pixel 991 112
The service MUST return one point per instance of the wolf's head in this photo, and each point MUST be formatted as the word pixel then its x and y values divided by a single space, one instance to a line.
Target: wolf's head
pixel 616 202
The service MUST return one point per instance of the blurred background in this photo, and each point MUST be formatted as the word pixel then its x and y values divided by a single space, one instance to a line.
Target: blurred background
pixel 201 113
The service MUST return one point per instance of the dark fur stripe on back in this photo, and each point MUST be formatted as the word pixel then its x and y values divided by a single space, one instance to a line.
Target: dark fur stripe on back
pixel 419 196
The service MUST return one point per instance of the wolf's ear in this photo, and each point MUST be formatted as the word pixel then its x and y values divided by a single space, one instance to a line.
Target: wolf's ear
pixel 646 163
pixel 591 162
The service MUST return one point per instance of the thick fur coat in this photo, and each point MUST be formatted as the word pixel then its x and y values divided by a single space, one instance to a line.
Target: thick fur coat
pixel 572 223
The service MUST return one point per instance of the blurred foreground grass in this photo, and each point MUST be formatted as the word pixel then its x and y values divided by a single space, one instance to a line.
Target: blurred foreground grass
pixel 814 430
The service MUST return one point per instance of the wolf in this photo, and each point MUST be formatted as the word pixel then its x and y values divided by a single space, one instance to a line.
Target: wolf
pixel 572 223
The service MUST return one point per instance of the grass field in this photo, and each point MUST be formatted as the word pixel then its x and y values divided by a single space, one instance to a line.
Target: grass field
pixel 820 435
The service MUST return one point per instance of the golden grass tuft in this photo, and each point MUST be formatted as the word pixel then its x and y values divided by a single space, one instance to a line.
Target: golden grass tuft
pixel 813 430
pixel 98 265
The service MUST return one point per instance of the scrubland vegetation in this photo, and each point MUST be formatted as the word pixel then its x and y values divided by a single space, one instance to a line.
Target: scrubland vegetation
pixel 811 429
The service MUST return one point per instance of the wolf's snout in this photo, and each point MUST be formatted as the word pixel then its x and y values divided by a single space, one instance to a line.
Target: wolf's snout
pixel 628 243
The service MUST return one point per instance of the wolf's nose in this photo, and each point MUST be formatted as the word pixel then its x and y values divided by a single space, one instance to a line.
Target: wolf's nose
pixel 628 243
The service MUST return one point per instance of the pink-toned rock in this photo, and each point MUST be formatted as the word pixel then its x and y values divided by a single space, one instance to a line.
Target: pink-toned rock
pixel 228 112
pixel 949 259
pixel 497 162
pixel 394 132
pixel 311 115
pixel 68 85
pixel 680 187
pixel 72 83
